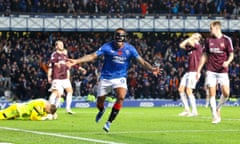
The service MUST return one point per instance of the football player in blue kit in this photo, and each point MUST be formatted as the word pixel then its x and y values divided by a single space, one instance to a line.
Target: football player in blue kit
pixel 117 55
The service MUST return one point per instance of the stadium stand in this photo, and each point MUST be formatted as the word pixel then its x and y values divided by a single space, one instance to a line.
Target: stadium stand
pixel 24 55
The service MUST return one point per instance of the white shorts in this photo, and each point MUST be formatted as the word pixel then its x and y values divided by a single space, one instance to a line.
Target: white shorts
pixel 60 85
pixel 189 80
pixel 106 86
pixel 212 78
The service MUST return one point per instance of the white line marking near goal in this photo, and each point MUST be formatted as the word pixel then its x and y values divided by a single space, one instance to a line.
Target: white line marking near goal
pixel 60 135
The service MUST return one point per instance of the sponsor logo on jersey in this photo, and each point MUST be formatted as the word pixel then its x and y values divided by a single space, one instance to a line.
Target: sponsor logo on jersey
pixel 215 50
pixel 119 59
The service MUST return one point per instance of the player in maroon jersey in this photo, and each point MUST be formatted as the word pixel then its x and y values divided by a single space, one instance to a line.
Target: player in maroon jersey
pixel 59 76
pixel 188 82
pixel 218 54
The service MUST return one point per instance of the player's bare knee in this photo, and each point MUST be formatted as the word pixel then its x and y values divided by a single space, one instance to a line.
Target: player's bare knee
pixel 188 91
pixel 181 89
pixel 225 91
pixel 70 91
pixel 226 94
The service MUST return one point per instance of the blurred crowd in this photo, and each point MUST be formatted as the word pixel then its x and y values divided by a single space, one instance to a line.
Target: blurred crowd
pixel 122 7
pixel 24 57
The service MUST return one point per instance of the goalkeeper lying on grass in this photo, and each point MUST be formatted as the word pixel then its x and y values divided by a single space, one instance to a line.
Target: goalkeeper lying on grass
pixel 38 109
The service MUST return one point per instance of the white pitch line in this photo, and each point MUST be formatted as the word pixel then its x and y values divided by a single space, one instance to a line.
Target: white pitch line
pixel 60 135
pixel 163 131
pixel 175 131
pixel 224 119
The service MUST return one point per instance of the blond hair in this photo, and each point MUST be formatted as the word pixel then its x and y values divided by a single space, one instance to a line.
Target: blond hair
pixel 216 23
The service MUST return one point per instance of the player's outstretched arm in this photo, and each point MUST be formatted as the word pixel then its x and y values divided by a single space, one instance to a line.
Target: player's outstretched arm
pixel 86 58
pixel 146 65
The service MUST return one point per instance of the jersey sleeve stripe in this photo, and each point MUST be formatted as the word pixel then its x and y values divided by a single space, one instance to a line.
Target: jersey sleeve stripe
pixel 229 40
pixel 36 110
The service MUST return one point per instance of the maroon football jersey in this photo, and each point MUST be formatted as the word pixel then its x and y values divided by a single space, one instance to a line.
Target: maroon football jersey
pixel 218 50
pixel 194 57
pixel 58 72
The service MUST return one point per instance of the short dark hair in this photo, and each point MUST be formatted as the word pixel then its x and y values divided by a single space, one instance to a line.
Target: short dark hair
pixel 122 29
pixel 120 37
pixel 53 108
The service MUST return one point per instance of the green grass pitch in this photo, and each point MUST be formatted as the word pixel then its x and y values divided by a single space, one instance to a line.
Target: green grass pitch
pixel 159 125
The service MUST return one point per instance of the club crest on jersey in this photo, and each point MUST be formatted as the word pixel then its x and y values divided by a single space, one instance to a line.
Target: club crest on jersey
pixel 127 52
pixel 112 51
pixel 222 44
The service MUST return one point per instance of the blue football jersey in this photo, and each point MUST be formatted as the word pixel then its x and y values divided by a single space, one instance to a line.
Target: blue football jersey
pixel 116 61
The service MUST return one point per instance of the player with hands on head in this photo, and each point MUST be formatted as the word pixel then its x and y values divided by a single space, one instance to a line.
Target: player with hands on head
pixel 188 82
pixel 218 53
pixel 117 56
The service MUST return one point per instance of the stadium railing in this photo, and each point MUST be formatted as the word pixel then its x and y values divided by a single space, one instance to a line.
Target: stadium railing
pixel 57 22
